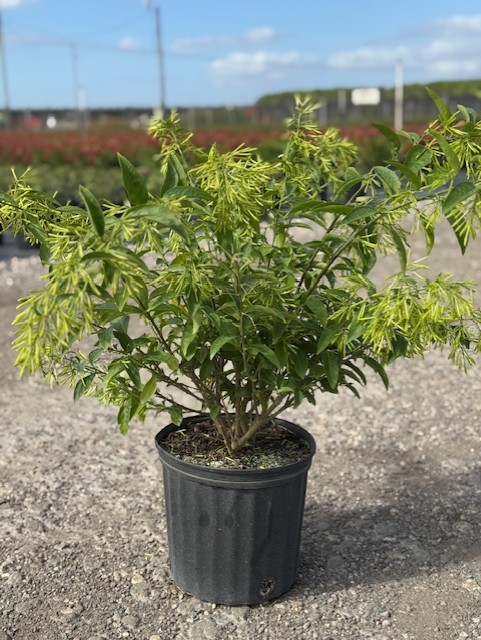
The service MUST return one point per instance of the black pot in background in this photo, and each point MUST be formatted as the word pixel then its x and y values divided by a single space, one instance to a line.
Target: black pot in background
pixel 234 534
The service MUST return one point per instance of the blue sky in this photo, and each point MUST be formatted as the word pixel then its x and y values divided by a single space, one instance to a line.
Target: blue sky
pixel 226 53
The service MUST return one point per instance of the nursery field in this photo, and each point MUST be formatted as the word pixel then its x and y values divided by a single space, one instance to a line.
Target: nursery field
pixel 60 160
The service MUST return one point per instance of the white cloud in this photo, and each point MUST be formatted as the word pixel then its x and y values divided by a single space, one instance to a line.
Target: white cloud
pixel 261 34
pixel 261 62
pixel 201 44
pixel 442 49
pixel 192 46
pixel 462 24
pixel 453 68
pixel 128 43
pixel 14 4
pixel 365 58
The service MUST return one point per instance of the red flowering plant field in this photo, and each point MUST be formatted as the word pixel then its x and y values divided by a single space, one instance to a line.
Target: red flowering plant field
pixel 63 159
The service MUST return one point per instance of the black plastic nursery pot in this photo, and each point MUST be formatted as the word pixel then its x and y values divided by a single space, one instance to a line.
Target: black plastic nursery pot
pixel 234 534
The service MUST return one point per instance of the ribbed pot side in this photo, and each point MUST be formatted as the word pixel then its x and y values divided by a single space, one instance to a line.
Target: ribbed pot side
pixel 234 534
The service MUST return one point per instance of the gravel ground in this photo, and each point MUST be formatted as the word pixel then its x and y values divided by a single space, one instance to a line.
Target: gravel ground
pixel 391 547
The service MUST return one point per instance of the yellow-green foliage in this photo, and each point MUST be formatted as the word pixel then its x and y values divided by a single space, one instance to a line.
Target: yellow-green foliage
pixel 203 287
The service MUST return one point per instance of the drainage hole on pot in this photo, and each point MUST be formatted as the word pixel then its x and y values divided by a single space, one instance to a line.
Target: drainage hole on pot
pixel 267 587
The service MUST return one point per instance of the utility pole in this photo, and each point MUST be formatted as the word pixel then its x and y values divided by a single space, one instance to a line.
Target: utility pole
pixel 399 95
pixel 160 56
pixel 6 94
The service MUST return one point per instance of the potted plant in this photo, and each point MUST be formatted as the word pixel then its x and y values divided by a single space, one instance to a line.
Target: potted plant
pixel 203 301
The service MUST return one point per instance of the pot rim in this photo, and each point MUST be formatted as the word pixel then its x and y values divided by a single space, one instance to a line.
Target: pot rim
pixel 219 475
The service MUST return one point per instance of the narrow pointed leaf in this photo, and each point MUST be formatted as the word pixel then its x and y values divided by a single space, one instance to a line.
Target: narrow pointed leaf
pixel 459 193
pixel 82 386
pixel 400 247
pixel 330 360
pixel 379 369
pixel 444 110
pixel 458 223
pixel 148 390
pixel 218 343
pixel 300 363
pixel 358 213
pixel 448 151
pixel 176 414
pixel 163 215
pixel 390 180
pixel 266 352
pixel 134 183
pixel 113 371
pixel 408 173
pixel 418 157
pixel 468 113
pixel 326 338
pixel 94 210
pixel 123 417
pixel 388 133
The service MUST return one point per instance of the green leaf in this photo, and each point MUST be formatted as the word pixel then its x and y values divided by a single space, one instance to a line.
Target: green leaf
pixel 458 223
pixel 454 215
pixel 379 369
pixel 163 215
pixel 134 183
pixel 389 179
pixel 95 354
pixel 458 193
pixel 451 156
pixel 83 386
pixel 188 338
pixel 408 173
pixel 315 205
pixel 267 312
pixel 94 210
pixel 189 192
pixel 176 415
pixel 330 360
pixel 409 135
pixel 346 186
pixel 358 213
pixel 134 375
pixel 300 363
pixel 124 415
pixel 171 179
pixel 218 343
pixel 161 356
pixel 468 113
pixel 206 370
pixel 356 329
pixel 360 374
pixel 389 134
pixel 317 306
pixel 327 337
pixel 444 110
pixel 400 247
pixel 114 370
pixel 266 352
pixel 429 235
pixel 125 340
pixel 418 157
pixel 148 390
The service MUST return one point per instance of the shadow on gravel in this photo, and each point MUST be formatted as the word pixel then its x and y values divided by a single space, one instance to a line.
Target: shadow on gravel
pixel 426 524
